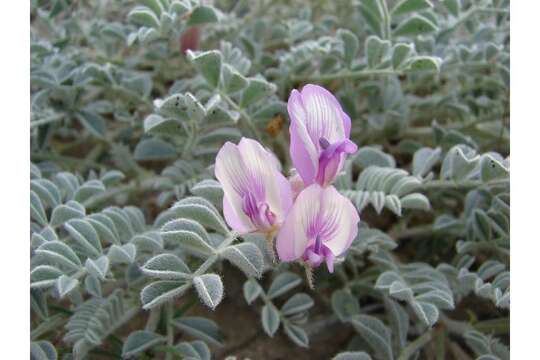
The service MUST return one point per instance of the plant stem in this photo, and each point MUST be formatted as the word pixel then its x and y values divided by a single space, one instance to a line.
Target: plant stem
pixel 144 185
pixel 169 312
pixel 416 345
pixel 51 323
pixel 452 184
pixel 243 115
pixel 47 120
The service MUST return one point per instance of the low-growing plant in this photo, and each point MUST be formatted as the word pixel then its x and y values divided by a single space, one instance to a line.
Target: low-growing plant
pixel 257 179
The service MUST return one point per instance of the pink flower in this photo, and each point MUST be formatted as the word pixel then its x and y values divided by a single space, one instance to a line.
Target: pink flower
pixel 320 226
pixel 320 132
pixel 256 195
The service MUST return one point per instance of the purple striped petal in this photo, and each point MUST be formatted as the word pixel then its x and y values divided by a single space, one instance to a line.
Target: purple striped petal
pixel 256 195
pixel 320 226
pixel 318 123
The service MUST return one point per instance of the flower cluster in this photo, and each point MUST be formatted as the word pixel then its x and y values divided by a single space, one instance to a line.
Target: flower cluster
pixel 313 222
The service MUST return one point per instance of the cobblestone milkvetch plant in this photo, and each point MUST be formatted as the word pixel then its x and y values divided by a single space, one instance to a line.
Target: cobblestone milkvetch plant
pixel 192 161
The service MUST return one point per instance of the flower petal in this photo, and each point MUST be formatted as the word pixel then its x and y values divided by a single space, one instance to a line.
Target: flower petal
pixel 324 115
pixel 303 151
pixel 230 172
pixel 339 220
pixel 292 239
pixel 236 218
pixel 265 178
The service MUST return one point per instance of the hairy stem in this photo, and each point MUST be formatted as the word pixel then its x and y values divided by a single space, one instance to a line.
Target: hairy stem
pixel 416 345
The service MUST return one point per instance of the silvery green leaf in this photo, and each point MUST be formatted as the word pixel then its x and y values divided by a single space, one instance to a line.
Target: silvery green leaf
pixel 424 63
pixel 121 220
pixel 112 177
pixel 393 203
pixel 38 303
pixel 481 225
pixel 35 172
pixel 233 81
pixel 271 110
pixel 139 341
pixel 400 291
pixel 42 350
pixel 372 12
pixel 84 234
pixel 93 286
pixel 93 122
pixel 43 276
pixel 427 312
pixel 489 269
pixel 210 289
pixel 369 155
pixel 189 235
pixel 283 283
pixel 105 227
pixel 60 253
pixel 376 50
pixel 156 125
pixel 344 305
pixel 375 333
pixel 252 290
pixel 202 211
pixel 399 321
pixel 453 6
pixel 172 106
pixel 47 191
pixel 296 304
pixel 155 5
pixel 98 268
pixel 219 136
pixel 209 189
pixel 195 109
pixel 166 266
pixel 256 90
pixel 460 163
pixel 124 254
pixel 195 350
pixel 203 14
pixel 492 169
pixel 88 189
pixel 68 183
pixel 400 54
pixel 415 201
pixel 296 334
pixel 352 355
pixel 66 212
pixel 377 199
pixel 441 299
pixel 141 15
pixel 350 45
pixel 208 64
pixel 154 149
pixel 270 319
pixel 409 6
pixel 150 241
pixel 201 328
pixel 424 159
pixel 66 284
pixel 159 292
pixel 415 25
pixel 37 212
pixel 245 256
pixel 136 218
